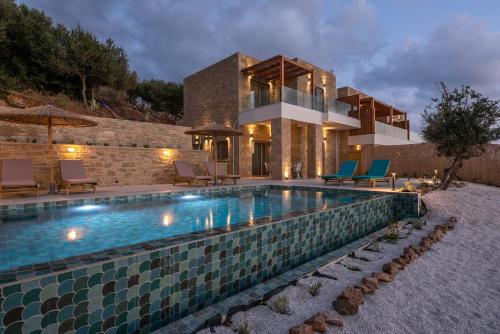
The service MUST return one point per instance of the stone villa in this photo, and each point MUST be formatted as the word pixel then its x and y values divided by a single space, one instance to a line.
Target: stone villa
pixel 289 111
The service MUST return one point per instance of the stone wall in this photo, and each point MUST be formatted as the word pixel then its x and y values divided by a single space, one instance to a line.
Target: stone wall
pixel 336 146
pixel 108 165
pixel 109 131
pixel 421 159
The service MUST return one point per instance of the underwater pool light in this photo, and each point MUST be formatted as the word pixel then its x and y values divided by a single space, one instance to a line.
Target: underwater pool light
pixel 87 207
pixel 190 196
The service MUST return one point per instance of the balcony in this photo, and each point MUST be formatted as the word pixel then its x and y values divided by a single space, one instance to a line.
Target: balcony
pixel 390 130
pixel 286 102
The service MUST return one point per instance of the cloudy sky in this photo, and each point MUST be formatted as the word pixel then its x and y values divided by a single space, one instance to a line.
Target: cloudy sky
pixel 393 49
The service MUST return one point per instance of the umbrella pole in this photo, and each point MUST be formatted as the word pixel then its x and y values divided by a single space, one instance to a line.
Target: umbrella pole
pixel 52 187
pixel 215 150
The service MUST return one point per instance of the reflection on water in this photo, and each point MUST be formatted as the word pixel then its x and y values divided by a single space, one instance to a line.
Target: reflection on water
pixel 52 235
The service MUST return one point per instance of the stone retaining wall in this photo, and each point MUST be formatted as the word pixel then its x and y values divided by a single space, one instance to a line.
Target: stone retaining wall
pixel 108 165
pixel 111 132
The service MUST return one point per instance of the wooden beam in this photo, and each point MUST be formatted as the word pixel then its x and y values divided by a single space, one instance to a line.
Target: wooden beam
pixel 372 110
pixel 391 114
pixel 282 76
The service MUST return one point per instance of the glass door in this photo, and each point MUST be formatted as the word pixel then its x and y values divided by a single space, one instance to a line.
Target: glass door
pixel 259 157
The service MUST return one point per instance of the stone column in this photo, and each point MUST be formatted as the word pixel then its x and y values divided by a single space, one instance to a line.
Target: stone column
pixel 280 148
pixel 314 150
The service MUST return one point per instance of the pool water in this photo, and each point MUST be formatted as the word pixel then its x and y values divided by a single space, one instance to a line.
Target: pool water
pixel 53 235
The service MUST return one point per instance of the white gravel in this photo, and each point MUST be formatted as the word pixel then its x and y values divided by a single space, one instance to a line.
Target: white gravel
pixel 453 288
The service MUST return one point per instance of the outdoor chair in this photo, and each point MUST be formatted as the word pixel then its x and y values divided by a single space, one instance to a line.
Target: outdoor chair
pixel 17 176
pixel 184 173
pixel 221 174
pixel 346 172
pixel 267 169
pixel 297 170
pixel 74 175
pixel 377 172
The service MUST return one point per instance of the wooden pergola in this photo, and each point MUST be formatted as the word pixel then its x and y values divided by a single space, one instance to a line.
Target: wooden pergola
pixel 370 110
pixel 279 68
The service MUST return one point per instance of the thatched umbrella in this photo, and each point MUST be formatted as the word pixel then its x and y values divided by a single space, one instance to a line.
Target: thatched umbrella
pixel 49 116
pixel 214 129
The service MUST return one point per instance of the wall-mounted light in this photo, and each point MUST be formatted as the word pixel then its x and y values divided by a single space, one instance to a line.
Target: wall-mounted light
pixel 357 147
pixel 251 137
pixel 71 149
pixel 324 139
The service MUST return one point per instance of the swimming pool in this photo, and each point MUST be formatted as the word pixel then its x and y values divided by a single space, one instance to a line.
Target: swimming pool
pixel 61 233
pixel 132 264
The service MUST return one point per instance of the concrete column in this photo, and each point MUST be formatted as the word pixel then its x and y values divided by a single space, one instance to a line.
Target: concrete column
pixel 314 150
pixel 280 148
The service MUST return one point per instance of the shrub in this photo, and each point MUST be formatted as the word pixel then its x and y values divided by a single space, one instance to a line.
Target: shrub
pixel 314 289
pixel 244 329
pixel 418 224
pixel 281 305
pixel 392 234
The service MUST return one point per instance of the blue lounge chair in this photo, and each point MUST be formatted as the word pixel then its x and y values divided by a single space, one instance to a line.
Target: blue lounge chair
pixel 346 172
pixel 378 171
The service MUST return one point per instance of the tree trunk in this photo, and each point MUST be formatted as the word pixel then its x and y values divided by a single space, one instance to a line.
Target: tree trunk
pixel 451 172
pixel 83 79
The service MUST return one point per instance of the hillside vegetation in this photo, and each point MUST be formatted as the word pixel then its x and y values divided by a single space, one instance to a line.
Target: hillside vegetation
pixel 42 62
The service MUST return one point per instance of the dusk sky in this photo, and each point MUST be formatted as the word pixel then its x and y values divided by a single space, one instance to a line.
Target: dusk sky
pixel 395 50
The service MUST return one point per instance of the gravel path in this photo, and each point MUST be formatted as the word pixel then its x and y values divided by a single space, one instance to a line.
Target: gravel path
pixel 453 288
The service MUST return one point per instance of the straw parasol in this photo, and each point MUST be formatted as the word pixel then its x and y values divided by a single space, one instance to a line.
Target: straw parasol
pixel 49 116
pixel 214 129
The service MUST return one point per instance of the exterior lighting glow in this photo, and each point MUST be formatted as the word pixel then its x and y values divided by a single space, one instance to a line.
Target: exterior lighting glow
pixel 88 207
pixel 70 149
pixel 285 174
pixel 393 181
pixel 73 235
pixel 357 147
pixel 166 220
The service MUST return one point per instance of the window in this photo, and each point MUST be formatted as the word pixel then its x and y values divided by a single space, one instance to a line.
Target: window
pixel 222 150
pixel 320 95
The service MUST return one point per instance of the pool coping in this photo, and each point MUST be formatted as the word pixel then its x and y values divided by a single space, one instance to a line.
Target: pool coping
pixel 38 271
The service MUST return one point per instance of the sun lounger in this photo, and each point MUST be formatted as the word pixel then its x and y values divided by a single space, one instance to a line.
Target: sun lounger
pixel 346 172
pixel 221 174
pixel 73 174
pixel 297 170
pixel 184 173
pixel 378 171
pixel 17 176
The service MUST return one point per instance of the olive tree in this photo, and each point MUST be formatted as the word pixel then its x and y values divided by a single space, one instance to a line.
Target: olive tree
pixel 459 124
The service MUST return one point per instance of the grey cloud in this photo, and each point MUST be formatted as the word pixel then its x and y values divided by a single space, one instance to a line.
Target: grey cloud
pixel 172 39
pixel 461 51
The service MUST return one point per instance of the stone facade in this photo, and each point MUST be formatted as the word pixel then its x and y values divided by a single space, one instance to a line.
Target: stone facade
pixel 336 150
pixel 281 160
pixel 108 165
pixel 109 131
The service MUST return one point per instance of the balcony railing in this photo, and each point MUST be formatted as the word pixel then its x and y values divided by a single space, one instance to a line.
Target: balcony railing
pixel 390 130
pixel 296 98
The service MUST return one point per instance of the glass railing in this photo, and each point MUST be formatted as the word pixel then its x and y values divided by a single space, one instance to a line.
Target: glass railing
pixel 295 97
pixel 389 130
pixel 338 107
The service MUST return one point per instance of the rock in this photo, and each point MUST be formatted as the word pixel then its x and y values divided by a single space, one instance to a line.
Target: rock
pixel 335 322
pixel 370 282
pixel 417 249
pixel 426 242
pixel 353 264
pixel 318 323
pixel 383 277
pixel 436 235
pixel 349 301
pixel 301 329
pixel 345 306
pixel 367 255
pixel 391 268
pixel 442 227
pixel 452 219
pixel 411 252
pixel 364 288
pixel 403 260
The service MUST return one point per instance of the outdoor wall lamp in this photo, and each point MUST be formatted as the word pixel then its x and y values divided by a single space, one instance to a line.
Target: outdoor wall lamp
pixel 393 181
pixel 71 149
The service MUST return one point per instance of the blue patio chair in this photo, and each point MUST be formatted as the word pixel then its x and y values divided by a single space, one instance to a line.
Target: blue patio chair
pixel 346 172
pixel 377 172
